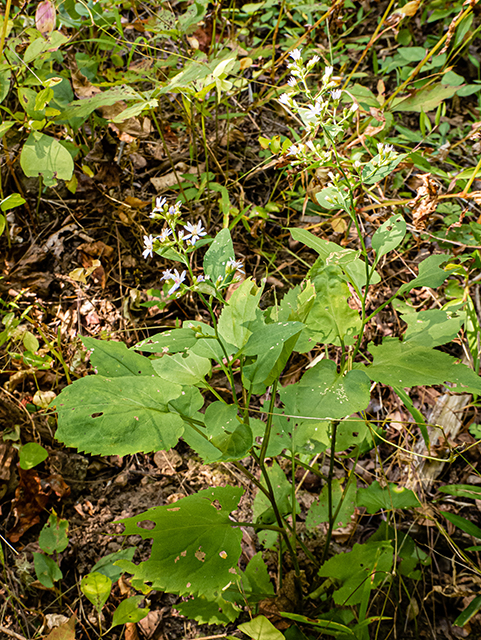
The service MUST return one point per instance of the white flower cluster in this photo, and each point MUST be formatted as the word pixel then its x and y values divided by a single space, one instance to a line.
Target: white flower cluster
pixel 171 237
pixel 162 211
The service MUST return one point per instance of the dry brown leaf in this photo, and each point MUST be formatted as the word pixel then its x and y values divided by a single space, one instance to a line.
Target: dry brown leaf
pixel 168 461
pixel 65 631
pixel 425 202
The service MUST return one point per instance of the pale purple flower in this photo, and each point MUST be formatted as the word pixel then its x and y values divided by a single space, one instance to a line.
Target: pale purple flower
pixel 195 231
pixel 149 246
pixel 164 235
pixel 178 280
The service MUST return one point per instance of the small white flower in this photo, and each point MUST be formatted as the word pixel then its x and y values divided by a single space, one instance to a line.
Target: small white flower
pixel 195 231
pixel 164 235
pixel 167 275
pixel 180 236
pixel 336 95
pixel 354 107
pixel 295 54
pixel 234 265
pixel 292 82
pixel 327 73
pixel 314 60
pixel 149 246
pixel 178 279
pixel 159 204
pixel 284 99
pixel 316 109
pixel 293 150
pixel 388 149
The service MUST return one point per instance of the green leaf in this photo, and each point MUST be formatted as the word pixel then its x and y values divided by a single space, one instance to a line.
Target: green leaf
pixel 83 108
pixel 430 275
pixel 367 565
pixel 118 416
pixel 96 588
pixel 256 583
pixel 389 235
pixel 232 437
pixel 218 611
pixel 329 627
pixel 174 341
pixel 211 346
pixel 471 610
pixel 239 314
pixel 374 171
pixel 375 497
pixel 271 336
pixel 425 99
pixel 195 548
pixel 53 537
pixel 260 628
pixel 218 254
pixel 113 359
pixel 32 454
pixel 46 570
pixel 12 201
pixel 324 394
pixel 182 368
pixel 45 156
pixel 407 364
pixel 330 319
pixel 432 328
pixel 129 611
pixel 410 554
pixel 107 567
pixel 334 255
pixel 462 491
pixel 463 524
pixel 319 510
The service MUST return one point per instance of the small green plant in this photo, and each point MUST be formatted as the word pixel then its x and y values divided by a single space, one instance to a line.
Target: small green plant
pixel 144 403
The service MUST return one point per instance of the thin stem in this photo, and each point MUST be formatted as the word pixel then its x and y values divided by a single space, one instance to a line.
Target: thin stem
pixel 329 492
pixel 267 434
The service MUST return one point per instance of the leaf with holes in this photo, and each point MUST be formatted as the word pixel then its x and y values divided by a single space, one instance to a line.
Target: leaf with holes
pixel 118 416
pixel 389 235
pixel 173 341
pixel 195 548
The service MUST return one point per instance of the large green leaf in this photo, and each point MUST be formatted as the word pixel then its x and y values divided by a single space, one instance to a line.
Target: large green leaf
pixel 240 314
pixel 432 328
pixel 324 394
pixel 114 359
pixel 45 156
pixel 319 510
pixel 375 497
pixel 430 274
pixel 182 368
pixel 172 341
pixel 195 548
pixel 218 254
pixel 83 108
pixel 425 99
pixel 118 416
pixel 408 364
pixel 330 319
pixel 366 566
pixel 263 512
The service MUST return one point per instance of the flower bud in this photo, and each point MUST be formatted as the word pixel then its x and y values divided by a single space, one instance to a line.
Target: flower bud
pixel 45 17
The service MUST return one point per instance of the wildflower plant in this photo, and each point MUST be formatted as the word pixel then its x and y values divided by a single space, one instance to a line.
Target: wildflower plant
pixel 146 398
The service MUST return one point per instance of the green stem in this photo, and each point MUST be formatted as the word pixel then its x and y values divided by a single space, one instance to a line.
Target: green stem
pixel 329 492
pixel 270 416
